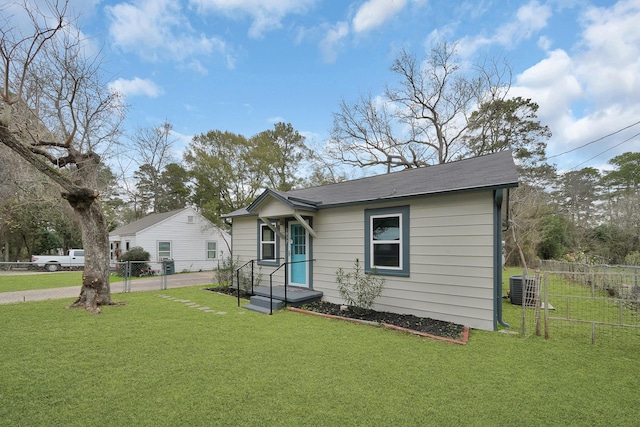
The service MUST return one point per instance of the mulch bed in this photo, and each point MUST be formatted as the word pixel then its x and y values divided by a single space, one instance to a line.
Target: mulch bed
pixel 422 326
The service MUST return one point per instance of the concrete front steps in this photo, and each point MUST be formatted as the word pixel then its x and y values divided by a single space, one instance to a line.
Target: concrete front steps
pixel 294 296
pixel 261 304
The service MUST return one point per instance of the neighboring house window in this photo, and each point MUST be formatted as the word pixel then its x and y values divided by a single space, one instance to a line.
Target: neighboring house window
pixel 190 219
pixel 212 250
pixel 387 241
pixel 267 244
pixel 126 246
pixel 164 250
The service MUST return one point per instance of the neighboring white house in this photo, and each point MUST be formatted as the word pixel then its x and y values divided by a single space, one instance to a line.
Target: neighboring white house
pixel 183 235
pixel 434 233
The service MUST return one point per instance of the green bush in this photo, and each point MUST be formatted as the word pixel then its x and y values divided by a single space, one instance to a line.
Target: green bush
pixel 357 289
pixel 136 255
pixel 632 258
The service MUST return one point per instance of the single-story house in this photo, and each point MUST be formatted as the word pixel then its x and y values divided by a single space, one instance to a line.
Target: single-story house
pixel 434 233
pixel 182 235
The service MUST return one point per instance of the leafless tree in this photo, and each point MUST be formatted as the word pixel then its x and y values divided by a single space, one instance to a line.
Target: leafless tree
pixel 58 115
pixel 152 150
pixel 420 121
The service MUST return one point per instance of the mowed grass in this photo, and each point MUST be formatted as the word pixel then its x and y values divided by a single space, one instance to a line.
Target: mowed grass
pixel 44 280
pixel 160 362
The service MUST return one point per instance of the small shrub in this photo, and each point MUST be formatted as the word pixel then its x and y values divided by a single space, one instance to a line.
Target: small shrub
pixel 226 274
pixel 358 289
pixel 632 258
pixel 136 255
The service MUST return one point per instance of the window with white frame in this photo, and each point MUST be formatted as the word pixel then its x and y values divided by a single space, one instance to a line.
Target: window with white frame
pixel 387 241
pixel 164 250
pixel 212 250
pixel 267 243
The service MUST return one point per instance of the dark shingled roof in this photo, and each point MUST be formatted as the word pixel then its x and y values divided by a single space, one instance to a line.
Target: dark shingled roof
pixel 485 172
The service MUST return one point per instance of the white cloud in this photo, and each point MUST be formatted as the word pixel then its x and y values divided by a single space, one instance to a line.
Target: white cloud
pixel 136 87
pixel 332 41
pixel 369 15
pixel 544 43
pixel 595 91
pixel 157 30
pixel 374 13
pixel 267 15
pixel 552 84
pixel 529 19
pixel 612 41
pixel 276 119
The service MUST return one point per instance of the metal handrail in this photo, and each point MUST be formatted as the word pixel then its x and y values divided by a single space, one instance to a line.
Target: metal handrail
pixel 252 276
pixel 238 277
pixel 285 281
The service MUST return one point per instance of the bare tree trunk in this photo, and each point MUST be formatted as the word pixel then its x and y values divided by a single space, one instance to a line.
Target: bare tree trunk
pixel 95 290
pixel 525 270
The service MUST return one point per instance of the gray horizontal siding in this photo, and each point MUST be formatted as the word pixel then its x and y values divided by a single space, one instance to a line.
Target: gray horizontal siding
pixel 245 249
pixel 451 256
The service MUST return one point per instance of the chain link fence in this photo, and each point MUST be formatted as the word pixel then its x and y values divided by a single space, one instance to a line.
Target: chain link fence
pixel 157 275
pixel 170 272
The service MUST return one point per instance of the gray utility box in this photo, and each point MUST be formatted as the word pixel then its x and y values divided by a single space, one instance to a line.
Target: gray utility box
pixel 168 267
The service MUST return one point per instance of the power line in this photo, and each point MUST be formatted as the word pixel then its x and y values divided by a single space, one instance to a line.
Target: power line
pixel 608 149
pixel 595 140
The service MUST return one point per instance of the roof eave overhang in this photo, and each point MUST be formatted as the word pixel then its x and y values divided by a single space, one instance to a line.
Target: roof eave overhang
pixel 253 208
pixel 416 195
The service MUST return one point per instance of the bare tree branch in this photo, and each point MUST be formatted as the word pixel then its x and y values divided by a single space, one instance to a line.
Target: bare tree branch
pixel 422 120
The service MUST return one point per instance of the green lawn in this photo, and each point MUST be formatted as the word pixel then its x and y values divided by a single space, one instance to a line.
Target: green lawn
pixel 44 280
pixel 159 362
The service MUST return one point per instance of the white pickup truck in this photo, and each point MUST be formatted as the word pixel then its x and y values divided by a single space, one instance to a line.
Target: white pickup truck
pixel 73 260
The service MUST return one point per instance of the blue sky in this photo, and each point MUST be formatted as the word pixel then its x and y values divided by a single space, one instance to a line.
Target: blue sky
pixel 242 65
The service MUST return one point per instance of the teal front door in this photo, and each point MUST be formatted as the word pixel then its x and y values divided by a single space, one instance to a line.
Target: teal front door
pixel 298 255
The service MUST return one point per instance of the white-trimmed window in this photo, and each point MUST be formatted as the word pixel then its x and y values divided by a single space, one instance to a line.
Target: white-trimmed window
pixel 267 243
pixel 212 250
pixel 387 241
pixel 164 250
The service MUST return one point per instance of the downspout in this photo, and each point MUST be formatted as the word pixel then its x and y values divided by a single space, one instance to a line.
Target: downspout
pixel 497 259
